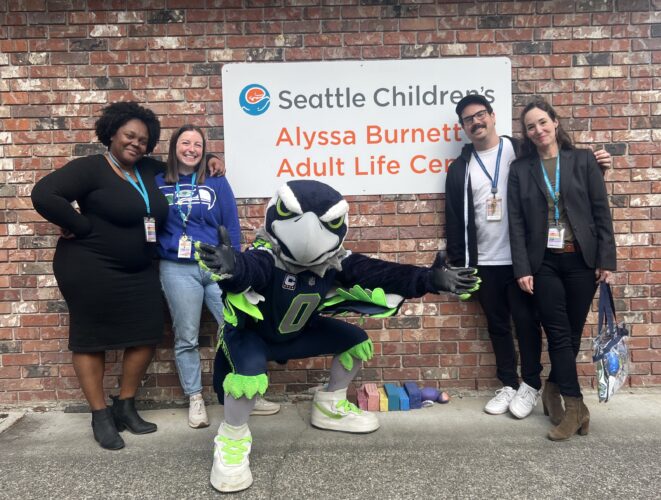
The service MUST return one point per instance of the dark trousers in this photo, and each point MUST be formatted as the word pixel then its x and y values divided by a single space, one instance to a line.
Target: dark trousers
pixel 564 288
pixel 502 299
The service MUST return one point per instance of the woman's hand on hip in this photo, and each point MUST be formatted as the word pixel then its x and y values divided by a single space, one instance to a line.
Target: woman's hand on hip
pixel 602 275
pixel 66 234
pixel 526 284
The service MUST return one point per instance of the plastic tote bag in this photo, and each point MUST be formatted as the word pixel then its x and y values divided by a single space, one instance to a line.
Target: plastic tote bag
pixel 610 351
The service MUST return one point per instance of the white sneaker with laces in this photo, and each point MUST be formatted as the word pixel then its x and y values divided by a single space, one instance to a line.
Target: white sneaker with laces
pixel 524 401
pixel 264 407
pixel 231 466
pixel 332 411
pixel 197 413
pixel 500 403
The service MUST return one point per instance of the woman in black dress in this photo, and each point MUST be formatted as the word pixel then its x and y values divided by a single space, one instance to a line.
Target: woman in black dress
pixel 104 264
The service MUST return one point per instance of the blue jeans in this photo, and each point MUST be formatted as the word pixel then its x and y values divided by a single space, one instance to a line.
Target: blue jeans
pixel 186 288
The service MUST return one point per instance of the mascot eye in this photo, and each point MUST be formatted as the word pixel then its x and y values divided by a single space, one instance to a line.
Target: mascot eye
pixel 282 210
pixel 336 223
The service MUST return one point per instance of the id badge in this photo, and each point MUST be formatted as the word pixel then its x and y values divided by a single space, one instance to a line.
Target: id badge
pixel 185 247
pixel 494 209
pixel 150 229
pixel 556 238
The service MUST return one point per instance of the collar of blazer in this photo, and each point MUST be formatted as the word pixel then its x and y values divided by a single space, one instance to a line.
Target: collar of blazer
pixel 567 159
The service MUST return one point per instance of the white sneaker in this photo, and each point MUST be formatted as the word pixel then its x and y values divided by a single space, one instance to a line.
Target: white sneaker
pixel 524 400
pixel 500 403
pixel 332 411
pixel 264 407
pixel 231 466
pixel 197 413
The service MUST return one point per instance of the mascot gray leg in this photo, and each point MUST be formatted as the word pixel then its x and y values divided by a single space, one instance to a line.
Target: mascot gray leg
pixel 340 378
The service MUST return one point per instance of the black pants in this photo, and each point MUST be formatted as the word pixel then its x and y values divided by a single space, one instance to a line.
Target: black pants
pixel 501 298
pixel 564 288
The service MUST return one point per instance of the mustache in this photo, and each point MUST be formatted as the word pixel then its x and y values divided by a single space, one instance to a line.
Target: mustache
pixel 476 127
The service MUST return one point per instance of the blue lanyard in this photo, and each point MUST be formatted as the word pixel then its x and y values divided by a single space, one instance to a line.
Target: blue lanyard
pixel 494 181
pixel 555 195
pixel 140 187
pixel 184 217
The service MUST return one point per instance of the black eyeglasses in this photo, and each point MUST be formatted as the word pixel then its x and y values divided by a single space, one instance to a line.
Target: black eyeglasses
pixel 468 120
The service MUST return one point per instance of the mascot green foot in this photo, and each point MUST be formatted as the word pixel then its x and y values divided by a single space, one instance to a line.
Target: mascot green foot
pixel 231 467
pixel 332 411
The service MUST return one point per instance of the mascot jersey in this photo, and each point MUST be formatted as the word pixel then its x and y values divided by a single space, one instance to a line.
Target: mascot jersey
pixel 286 301
pixel 281 285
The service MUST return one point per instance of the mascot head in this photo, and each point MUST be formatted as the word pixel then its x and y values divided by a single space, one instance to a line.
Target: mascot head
pixel 308 219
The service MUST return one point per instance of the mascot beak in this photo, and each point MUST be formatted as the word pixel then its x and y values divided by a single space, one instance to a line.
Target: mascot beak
pixel 306 238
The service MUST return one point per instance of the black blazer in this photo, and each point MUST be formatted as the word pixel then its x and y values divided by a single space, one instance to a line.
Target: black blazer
pixel 583 191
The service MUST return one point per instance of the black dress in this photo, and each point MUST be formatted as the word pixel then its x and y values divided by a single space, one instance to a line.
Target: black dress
pixel 107 274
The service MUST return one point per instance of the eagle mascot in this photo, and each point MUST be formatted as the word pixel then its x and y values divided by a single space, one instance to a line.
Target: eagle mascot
pixel 280 296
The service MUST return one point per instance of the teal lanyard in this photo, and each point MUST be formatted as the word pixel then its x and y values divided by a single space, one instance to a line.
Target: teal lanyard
pixel 555 195
pixel 140 186
pixel 184 217
pixel 494 181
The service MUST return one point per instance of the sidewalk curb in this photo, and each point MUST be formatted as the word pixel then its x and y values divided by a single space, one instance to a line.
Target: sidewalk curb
pixel 7 419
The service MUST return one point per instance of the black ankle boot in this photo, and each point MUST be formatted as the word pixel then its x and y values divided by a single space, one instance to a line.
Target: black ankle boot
pixel 126 417
pixel 105 432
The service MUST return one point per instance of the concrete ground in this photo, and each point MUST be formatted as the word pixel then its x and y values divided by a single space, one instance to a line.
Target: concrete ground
pixel 446 451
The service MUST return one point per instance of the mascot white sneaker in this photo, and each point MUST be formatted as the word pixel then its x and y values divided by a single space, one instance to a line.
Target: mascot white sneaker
pixel 332 411
pixel 231 466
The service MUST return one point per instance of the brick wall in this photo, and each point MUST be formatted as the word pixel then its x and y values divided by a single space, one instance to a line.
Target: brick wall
pixel 598 61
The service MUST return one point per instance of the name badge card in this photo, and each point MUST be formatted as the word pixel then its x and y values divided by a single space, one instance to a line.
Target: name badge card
pixel 150 229
pixel 556 238
pixel 185 247
pixel 494 209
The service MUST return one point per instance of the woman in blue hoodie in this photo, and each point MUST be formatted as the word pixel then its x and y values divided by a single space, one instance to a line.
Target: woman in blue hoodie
pixel 197 206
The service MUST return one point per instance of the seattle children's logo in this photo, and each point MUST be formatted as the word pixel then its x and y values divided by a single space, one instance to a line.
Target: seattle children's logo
pixel 254 99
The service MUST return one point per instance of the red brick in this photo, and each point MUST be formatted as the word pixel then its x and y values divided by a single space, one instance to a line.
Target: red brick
pixel 610 45
pixel 401 374
pixel 573 46
pixel 40 320
pixel 19 359
pixel 36 396
pixel 10 372
pixel 419 24
pixel 609 123
pixel 363 38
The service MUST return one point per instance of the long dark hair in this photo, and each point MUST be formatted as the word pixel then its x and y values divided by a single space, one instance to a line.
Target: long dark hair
pixel 562 137
pixel 172 167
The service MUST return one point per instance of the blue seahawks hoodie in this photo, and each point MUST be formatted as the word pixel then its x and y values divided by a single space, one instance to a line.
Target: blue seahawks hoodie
pixel 212 204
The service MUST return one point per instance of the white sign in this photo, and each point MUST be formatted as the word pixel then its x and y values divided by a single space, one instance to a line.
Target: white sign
pixel 364 127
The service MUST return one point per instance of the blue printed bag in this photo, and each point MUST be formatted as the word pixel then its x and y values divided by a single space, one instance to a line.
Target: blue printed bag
pixel 610 352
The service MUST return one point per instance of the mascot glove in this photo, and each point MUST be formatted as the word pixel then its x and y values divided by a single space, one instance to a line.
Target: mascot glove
pixel 220 261
pixel 462 281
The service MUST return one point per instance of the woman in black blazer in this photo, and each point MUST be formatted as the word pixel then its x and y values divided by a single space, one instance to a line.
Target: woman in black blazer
pixel 562 245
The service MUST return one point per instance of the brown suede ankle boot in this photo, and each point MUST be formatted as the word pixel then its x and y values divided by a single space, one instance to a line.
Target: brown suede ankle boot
pixel 552 402
pixel 576 419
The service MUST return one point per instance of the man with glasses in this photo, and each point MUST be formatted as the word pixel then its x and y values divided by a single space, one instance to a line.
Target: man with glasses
pixel 478 236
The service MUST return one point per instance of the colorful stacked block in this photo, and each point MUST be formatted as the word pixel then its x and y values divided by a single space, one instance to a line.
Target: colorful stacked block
pixel 393 396
pixel 383 400
pixel 372 397
pixel 361 397
pixel 403 399
pixel 413 391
